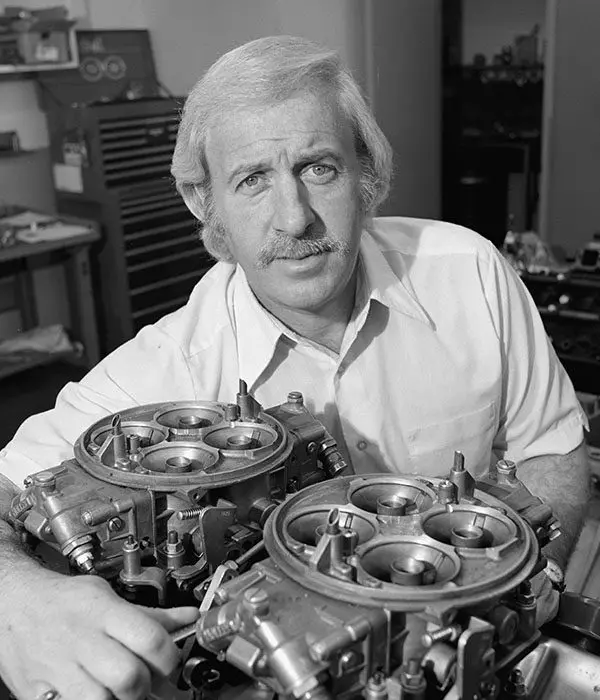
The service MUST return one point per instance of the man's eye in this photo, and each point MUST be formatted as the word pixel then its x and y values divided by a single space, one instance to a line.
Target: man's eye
pixel 320 172
pixel 251 181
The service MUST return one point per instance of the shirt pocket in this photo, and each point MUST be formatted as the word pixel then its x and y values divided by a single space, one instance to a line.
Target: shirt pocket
pixel 431 447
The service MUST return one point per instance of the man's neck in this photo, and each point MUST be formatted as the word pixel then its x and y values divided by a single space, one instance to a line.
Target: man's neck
pixel 325 326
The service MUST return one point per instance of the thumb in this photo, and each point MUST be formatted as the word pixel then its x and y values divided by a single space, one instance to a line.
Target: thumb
pixel 173 618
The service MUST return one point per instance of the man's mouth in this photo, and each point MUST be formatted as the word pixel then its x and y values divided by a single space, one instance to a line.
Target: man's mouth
pixel 301 256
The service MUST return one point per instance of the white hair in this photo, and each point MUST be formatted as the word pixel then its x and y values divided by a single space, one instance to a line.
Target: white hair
pixel 263 72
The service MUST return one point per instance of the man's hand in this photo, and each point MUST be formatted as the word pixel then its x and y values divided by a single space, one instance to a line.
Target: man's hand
pixel 75 635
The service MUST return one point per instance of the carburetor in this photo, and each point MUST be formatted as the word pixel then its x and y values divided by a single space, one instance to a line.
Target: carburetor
pixel 381 586
pixel 160 495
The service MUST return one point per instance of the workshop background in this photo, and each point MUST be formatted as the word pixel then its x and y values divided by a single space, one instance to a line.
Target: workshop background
pixel 491 107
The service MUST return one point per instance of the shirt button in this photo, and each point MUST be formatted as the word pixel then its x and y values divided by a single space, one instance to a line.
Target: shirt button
pixel 362 444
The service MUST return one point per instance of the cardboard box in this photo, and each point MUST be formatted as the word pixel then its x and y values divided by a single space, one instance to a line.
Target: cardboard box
pixel 51 46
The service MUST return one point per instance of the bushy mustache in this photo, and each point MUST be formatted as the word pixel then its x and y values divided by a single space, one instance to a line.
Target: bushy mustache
pixel 297 248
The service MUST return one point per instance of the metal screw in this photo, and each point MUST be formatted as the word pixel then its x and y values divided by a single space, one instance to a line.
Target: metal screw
pixel 130 544
pixel 505 466
pixel 376 682
pixel 115 524
pixel 488 689
pixel 443 634
pixel 257 600
pixel 189 513
pixel 217 632
pixel 347 660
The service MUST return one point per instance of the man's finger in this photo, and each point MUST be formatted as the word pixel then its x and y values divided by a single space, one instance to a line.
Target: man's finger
pixel 144 635
pixel 173 618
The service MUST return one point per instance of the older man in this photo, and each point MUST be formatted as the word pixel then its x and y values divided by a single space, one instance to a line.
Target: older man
pixel 408 338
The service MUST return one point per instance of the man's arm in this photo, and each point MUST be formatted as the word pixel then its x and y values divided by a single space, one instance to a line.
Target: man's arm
pixel 563 482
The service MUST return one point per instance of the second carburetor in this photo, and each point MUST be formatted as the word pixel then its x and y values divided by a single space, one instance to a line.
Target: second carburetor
pixel 383 586
pixel 159 495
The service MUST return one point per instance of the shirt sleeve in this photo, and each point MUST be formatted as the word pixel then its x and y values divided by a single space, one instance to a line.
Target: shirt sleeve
pixel 140 371
pixel 539 413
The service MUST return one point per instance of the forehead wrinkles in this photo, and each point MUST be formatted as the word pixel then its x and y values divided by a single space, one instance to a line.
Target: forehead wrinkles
pixel 300 121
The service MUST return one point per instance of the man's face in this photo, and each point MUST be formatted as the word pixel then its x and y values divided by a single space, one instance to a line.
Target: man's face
pixel 285 183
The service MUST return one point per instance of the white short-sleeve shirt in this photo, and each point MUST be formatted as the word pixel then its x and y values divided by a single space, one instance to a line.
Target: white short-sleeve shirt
pixel 445 351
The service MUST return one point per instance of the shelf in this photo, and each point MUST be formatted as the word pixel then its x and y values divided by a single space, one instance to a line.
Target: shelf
pixel 569 313
pixel 564 279
pixel 580 360
pixel 15 154
pixel 13 69
pixel 24 68
pixel 22 361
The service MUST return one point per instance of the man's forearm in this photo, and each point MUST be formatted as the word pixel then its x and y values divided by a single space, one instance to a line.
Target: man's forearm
pixel 563 482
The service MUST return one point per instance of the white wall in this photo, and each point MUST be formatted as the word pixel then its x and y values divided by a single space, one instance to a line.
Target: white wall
pixel 339 24
pixel 188 35
pixel 404 54
pixel 571 188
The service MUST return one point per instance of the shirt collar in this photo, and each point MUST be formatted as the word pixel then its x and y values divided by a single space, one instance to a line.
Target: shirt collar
pixel 390 287
pixel 257 331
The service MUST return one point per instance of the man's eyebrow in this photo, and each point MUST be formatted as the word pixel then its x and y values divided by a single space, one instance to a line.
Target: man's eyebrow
pixel 320 154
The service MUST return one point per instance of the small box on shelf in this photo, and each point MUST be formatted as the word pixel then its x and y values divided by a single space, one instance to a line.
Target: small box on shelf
pixel 36 39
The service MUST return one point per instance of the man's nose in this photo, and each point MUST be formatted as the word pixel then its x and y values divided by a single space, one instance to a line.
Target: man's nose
pixel 293 212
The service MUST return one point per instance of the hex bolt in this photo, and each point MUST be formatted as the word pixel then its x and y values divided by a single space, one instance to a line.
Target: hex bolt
pixel 85 562
pixel 412 680
pixel 376 687
pixel 295 397
pixel 515 685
